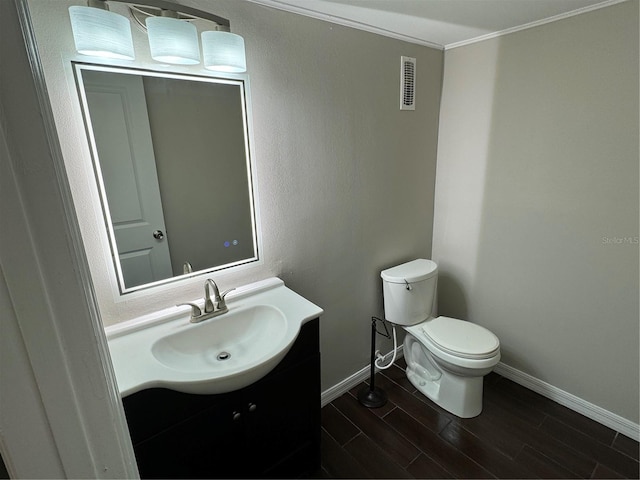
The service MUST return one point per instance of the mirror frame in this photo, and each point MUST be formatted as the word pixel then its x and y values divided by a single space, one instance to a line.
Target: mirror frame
pixel 242 82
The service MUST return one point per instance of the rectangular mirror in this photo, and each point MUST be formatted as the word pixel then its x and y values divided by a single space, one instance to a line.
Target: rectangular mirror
pixel 173 167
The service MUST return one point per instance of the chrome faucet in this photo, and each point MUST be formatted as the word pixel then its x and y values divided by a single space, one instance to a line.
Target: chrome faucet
pixel 218 302
pixel 212 308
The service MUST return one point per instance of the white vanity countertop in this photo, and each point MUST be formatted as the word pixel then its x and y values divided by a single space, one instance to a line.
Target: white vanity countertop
pixel 131 343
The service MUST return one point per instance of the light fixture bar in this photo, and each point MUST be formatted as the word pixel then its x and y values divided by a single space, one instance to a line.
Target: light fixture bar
pixel 101 4
pixel 165 5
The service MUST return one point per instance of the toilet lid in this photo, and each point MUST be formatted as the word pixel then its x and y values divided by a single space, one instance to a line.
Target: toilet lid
pixel 413 271
pixel 460 338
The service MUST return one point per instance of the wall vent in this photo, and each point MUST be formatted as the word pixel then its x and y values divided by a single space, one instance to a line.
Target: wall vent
pixel 408 83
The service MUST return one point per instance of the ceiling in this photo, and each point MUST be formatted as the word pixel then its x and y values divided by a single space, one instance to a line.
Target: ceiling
pixel 438 23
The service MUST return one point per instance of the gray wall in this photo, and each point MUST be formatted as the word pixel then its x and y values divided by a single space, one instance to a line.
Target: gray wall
pixel 536 225
pixel 345 180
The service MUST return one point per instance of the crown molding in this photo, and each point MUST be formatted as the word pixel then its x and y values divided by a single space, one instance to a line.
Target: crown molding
pixel 537 23
pixel 276 4
pixel 346 22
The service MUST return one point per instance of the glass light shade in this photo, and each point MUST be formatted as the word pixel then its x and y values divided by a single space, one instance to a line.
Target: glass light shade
pixel 101 33
pixel 223 52
pixel 173 41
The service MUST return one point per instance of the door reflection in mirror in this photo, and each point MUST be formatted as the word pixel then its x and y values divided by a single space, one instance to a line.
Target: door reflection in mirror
pixel 172 164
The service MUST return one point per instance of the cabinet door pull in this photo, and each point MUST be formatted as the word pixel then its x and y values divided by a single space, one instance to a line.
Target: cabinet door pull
pixel 252 407
pixel 236 416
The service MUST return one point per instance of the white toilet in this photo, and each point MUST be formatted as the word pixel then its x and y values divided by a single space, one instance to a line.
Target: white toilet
pixel 446 358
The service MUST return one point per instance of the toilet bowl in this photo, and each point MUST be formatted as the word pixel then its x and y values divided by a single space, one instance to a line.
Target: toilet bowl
pixel 446 358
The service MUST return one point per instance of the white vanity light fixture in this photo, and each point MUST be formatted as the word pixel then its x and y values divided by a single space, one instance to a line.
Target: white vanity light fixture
pixel 99 32
pixel 172 40
pixel 223 51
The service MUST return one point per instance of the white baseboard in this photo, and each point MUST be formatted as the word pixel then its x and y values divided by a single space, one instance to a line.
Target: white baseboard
pixel 589 410
pixel 330 394
pixel 339 389
pixel 577 404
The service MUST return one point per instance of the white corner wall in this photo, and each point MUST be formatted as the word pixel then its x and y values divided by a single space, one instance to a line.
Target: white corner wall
pixel 60 414
pixel 536 209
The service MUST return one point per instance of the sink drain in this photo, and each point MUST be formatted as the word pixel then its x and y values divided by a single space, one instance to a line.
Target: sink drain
pixel 224 356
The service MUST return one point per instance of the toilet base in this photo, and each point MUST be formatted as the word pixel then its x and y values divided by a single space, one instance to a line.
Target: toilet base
pixel 457 394
pixel 460 396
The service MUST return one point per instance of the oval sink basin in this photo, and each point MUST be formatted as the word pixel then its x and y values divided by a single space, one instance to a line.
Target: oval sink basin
pixel 222 344
pixel 217 355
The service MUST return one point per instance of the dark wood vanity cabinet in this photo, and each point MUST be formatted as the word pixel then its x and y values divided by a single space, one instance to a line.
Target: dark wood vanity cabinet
pixel 268 429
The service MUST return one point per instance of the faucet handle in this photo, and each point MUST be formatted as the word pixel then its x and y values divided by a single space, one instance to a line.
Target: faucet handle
pixel 195 309
pixel 221 303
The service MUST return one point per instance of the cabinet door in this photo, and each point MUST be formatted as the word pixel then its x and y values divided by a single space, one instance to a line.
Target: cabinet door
pixel 150 412
pixel 283 421
pixel 209 444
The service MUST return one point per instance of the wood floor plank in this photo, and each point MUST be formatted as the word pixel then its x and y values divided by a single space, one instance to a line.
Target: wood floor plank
pixel 545 443
pixel 337 462
pixel 432 445
pixel 541 466
pixel 502 436
pixel 516 406
pixel 574 461
pixel 491 379
pixel 603 472
pixel 549 407
pixel 482 452
pixel 374 459
pixel 425 467
pixel 626 445
pixel 337 425
pixel 399 448
pixel 600 452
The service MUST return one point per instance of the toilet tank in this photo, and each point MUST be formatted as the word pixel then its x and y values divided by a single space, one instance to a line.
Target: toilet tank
pixel 409 291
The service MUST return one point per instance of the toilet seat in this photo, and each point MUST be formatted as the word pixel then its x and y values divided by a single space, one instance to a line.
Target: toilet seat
pixel 460 338
pixel 457 338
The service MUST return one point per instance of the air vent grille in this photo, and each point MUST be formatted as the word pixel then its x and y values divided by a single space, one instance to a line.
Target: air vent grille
pixel 408 83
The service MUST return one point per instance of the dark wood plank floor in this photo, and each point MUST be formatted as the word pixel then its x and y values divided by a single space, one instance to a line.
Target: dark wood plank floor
pixel 519 434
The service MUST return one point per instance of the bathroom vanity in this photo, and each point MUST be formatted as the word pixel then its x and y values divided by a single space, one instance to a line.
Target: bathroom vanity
pixel 233 396
pixel 268 429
